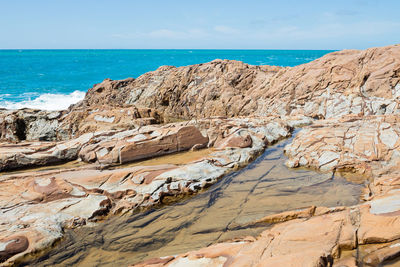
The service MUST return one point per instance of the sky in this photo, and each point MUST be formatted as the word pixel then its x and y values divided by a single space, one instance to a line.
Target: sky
pixel 206 24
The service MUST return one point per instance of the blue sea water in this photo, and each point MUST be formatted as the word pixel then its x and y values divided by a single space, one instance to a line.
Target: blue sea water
pixel 54 79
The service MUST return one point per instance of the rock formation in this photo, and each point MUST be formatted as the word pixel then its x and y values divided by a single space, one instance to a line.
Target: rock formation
pixel 37 206
pixel 234 110
pixel 28 124
pixel 348 143
pixel 345 82
pixel 320 236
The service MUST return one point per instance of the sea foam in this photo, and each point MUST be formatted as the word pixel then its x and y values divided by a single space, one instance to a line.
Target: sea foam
pixel 46 101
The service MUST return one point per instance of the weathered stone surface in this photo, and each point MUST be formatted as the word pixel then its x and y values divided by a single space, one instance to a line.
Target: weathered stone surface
pixel 344 82
pixel 294 243
pixel 315 240
pixel 148 141
pixel 387 252
pixel 287 216
pixel 103 147
pixel 37 206
pixel 318 236
pixel 37 125
pixel 352 143
pixel 236 139
pixel 28 154
pixel 105 118
pixel 28 124
pixel 118 147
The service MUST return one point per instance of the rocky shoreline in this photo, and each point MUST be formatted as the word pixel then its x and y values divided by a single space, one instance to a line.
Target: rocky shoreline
pixel 349 99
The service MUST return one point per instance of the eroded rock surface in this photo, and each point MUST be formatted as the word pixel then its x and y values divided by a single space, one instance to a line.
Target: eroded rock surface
pixel 345 82
pixel 316 239
pixel 352 143
pixel 38 125
pixel 37 206
pixel 366 234
pixel 356 93
pixel 105 148
pixel 118 147
pixel 363 82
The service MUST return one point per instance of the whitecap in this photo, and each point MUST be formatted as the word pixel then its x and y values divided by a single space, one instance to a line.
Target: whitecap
pixel 46 101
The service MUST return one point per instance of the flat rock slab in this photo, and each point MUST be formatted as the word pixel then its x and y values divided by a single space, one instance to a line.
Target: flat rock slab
pixel 313 237
pixel 147 142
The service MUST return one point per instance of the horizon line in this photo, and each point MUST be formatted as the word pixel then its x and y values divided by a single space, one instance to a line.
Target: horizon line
pixel 261 49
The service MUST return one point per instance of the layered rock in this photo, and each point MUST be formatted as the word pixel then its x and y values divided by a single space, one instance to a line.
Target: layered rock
pixel 218 88
pixel 111 127
pixel 27 124
pixel 344 82
pixel 38 125
pixel 350 143
pixel 146 142
pixel 30 154
pixel 314 240
pixel 366 234
pixel 105 148
pixel 119 147
pixel 37 206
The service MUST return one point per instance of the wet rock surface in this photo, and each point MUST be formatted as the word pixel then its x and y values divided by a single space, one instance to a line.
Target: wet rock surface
pixel 319 239
pixel 320 236
pixel 235 206
pixel 39 205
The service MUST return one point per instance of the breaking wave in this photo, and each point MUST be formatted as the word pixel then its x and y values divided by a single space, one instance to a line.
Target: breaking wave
pixel 46 101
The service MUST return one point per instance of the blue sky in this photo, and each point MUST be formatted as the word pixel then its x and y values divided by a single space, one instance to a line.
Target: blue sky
pixel 244 24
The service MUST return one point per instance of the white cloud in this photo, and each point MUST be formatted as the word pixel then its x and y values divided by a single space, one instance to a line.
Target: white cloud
pixel 288 35
pixel 225 29
pixel 327 30
pixel 194 33
pixel 169 34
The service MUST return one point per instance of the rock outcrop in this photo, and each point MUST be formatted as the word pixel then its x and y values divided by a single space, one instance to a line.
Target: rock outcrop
pixel 317 240
pixel 147 142
pixel 348 143
pixel 355 93
pixel 38 125
pixel 105 148
pixel 345 82
pixel 363 235
pixel 38 205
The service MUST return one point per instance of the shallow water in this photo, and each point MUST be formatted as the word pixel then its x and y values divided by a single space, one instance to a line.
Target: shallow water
pixel 264 187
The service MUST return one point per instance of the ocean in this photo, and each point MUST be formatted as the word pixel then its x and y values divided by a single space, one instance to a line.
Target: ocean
pixel 55 79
